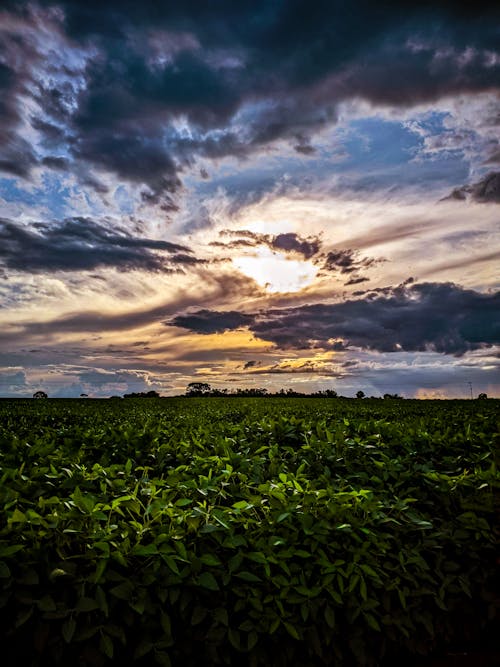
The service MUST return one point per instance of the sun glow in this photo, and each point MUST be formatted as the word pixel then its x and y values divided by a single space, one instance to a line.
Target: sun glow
pixel 275 272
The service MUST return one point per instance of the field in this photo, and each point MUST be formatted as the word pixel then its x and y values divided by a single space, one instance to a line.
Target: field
pixel 279 532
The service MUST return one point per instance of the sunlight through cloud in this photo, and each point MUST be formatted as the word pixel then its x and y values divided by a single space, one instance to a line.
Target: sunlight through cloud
pixel 275 272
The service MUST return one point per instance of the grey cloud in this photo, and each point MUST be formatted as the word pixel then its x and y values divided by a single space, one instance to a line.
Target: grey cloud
pixel 17 56
pixel 487 189
pixel 347 261
pixel 284 68
pixel 440 317
pixel 288 242
pixel 291 242
pixel 54 162
pixel 210 321
pixel 17 157
pixel 356 280
pixel 81 244
pixel 484 191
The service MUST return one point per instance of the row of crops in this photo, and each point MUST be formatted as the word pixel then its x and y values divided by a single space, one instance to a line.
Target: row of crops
pixel 246 531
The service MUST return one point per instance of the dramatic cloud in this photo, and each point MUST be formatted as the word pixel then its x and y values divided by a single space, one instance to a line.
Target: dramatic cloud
pixel 210 322
pixel 348 262
pixel 485 191
pixel 240 75
pixel 81 244
pixel 289 243
pixel 439 317
pixel 244 170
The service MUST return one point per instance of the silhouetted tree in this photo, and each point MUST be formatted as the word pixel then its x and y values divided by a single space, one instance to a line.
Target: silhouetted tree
pixel 360 394
pixel 40 394
pixel 198 389
pixel 481 396
pixel 84 395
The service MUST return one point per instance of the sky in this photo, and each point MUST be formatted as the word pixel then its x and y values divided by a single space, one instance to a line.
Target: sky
pixel 263 194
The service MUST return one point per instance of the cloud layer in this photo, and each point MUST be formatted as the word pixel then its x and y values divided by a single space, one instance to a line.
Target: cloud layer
pixel 81 244
pixel 252 174
pixel 241 76
pixel 439 317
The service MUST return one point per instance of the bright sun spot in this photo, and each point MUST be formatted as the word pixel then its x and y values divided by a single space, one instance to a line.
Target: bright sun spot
pixel 275 272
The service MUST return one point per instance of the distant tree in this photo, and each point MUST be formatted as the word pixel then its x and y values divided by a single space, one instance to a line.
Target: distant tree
pixel 40 394
pixel 393 396
pixel 360 394
pixel 481 397
pixel 84 395
pixel 198 389
pixel 326 393
pixel 142 394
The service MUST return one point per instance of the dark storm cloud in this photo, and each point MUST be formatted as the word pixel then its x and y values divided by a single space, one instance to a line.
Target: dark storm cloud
pixel 440 317
pixel 81 244
pixel 291 242
pixel 485 191
pixel 17 55
pixel 54 162
pixel 242 74
pixel 211 321
pixel 356 281
pixel 347 261
pixel 287 243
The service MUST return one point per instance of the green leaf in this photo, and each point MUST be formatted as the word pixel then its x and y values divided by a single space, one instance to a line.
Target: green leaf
pixel 248 576
pixel 68 630
pixel 171 563
pixel 372 621
pixel 106 645
pixel 6 551
pixel 292 631
pixel 17 517
pixel 85 604
pixel 242 505
pixel 234 638
pixel 123 591
pixel 46 604
pixel 330 617
pixel 253 638
pixel 402 598
pixel 4 570
pixel 207 580
pixel 166 624
pixel 198 615
pixel 362 589
pixel 162 658
pixel 369 571
pixel 145 550
pixel 221 616
pixel 143 649
pixel 210 559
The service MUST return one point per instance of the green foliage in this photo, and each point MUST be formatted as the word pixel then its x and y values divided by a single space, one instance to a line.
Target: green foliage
pixel 279 531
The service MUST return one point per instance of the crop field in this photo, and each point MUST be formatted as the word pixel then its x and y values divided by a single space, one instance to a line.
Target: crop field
pixel 280 532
